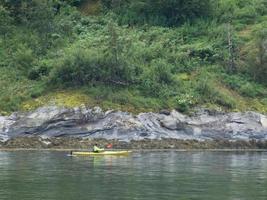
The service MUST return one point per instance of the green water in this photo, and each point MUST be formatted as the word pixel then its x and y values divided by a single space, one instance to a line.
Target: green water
pixel 150 175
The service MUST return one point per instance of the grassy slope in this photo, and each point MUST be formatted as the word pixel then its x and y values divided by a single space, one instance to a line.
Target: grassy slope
pixel 131 99
pixel 142 46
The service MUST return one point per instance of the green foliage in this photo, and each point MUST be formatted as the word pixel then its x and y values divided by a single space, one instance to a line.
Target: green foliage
pixel 249 91
pixel 23 58
pixel 15 89
pixel 5 21
pixel 82 67
pixel 78 68
pixel 257 58
pixel 244 86
pixel 211 92
pixel 142 55
pixel 38 72
pixel 156 78
pixel 159 12
pixel 74 2
pixel 243 11
pixel 184 102
pixel 33 13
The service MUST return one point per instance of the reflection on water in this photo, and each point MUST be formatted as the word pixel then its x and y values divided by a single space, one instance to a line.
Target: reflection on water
pixel 150 175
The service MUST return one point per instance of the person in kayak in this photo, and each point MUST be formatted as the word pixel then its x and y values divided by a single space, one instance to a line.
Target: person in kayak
pixel 96 149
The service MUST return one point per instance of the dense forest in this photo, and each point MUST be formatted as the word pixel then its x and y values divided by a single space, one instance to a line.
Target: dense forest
pixel 141 55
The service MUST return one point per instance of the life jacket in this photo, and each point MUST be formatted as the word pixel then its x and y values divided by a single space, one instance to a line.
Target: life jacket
pixel 96 149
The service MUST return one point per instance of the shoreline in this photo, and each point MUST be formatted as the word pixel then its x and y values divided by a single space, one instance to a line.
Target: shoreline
pixel 69 143
pixel 136 150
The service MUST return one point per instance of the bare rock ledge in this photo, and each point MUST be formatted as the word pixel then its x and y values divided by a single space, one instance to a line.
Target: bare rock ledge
pixel 93 123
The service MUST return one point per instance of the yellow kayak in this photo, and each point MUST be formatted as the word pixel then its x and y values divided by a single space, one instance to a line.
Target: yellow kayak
pixel 115 153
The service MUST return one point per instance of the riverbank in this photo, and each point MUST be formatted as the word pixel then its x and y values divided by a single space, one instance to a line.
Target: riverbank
pixel 84 123
pixel 163 144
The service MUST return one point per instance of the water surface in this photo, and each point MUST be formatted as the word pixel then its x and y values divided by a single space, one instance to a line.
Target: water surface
pixel 147 176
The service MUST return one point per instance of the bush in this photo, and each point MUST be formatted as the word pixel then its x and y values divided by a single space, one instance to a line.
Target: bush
pixel 244 86
pixel 89 66
pixel 5 21
pixel 256 58
pixel 210 92
pixel 156 78
pixel 243 11
pixel 38 72
pixel 205 87
pixel 184 102
pixel 225 100
pixel 168 12
pixel 23 59
pixel 162 71
pixel 78 68
pixel 37 90
pixel 248 90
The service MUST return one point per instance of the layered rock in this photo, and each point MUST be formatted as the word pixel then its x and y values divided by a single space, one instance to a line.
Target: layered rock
pixel 94 123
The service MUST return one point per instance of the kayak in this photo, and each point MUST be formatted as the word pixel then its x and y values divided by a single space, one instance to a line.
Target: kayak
pixel 115 153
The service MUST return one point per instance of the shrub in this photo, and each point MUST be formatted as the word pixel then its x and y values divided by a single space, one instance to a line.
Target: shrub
pixel 256 58
pixel 23 59
pixel 244 85
pixel 225 100
pixel 5 21
pixel 210 92
pixel 37 72
pixel 243 11
pixel 162 71
pixel 184 102
pixel 251 90
pixel 78 68
pixel 159 12
pixel 156 78
pixel 87 66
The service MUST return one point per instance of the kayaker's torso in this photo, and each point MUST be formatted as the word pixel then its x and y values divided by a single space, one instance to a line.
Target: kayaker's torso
pixel 97 149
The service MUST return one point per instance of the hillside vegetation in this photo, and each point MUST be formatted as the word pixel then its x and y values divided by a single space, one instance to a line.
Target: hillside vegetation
pixel 142 55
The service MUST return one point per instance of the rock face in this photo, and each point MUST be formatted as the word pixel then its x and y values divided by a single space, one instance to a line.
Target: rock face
pixel 85 122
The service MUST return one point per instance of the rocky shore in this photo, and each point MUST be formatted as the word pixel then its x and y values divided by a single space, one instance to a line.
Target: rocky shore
pixel 86 144
pixel 79 128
